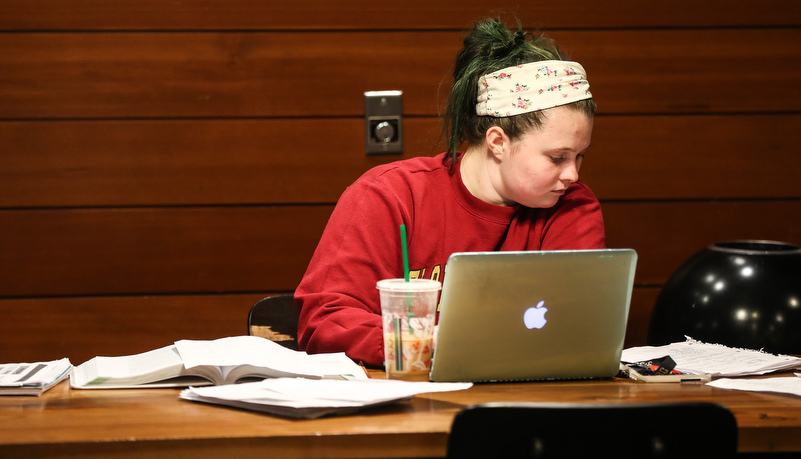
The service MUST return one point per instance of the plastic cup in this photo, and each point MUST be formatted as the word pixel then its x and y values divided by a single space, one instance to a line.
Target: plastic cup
pixel 408 310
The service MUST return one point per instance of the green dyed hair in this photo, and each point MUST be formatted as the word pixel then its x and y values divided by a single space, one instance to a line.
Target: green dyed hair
pixel 491 46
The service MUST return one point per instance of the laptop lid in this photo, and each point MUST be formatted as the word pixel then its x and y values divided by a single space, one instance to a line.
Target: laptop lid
pixel 511 316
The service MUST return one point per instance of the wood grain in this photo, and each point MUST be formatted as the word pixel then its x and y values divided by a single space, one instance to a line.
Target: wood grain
pixel 241 249
pixel 163 163
pixel 157 250
pixel 665 234
pixel 155 423
pixel 213 162
pixel 259 74
pixel 368 15
pixel 41 329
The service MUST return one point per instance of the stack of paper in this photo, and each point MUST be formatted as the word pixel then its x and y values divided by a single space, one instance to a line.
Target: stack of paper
pixel 695 357
pixel 32 378
pixel 308 398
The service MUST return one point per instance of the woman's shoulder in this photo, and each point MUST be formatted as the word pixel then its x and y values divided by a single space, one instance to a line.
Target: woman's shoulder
pixel 578 198
pixel 407 170
pixel 579 191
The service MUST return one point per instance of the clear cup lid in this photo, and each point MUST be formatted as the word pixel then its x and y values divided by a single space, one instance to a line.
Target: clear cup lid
pixel 414 285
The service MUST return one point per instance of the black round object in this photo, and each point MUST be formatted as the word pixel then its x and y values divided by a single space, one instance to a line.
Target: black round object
pixel 740 293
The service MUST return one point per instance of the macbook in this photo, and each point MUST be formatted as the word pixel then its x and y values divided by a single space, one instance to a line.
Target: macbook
pixel 522 316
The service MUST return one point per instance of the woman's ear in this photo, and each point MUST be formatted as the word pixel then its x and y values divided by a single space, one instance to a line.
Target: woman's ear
pixel 498 143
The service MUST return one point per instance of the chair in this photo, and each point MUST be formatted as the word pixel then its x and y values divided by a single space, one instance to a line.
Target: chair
pixel 535 430
pixel 275 318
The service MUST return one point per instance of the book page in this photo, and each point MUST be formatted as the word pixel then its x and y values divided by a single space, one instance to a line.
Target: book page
pixel 133 369
pixel 253 351
pixel 232 351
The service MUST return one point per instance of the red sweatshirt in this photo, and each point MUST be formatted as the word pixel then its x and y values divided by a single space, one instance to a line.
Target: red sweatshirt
pixel 337 297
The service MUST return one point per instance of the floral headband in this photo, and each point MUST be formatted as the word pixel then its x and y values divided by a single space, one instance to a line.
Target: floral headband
pixel 531 87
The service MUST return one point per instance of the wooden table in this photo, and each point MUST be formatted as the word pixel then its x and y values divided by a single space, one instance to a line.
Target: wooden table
pixel 155 423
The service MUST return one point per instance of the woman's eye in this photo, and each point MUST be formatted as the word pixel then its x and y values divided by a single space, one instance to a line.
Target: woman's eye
pixel 557 159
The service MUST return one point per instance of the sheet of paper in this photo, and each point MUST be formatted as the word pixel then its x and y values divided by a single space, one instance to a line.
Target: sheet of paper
pixel 695 357
pixel 305 394
pixel 365 391
pixel 786 385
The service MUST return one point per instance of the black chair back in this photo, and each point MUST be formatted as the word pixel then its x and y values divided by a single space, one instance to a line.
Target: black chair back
pixel 529 430
pixel 275 318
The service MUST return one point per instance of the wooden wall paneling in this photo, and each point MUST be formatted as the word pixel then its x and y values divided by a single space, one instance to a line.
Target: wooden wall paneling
pixel 69 252
pixel 164 163
pixel 125 75
pixel 687 71
pixel 666 233
pixel 642 303
pixel 182 162
pixel 265 161
pixel 367 15
pixel 36 329
pixel 694 157
pixel 258 248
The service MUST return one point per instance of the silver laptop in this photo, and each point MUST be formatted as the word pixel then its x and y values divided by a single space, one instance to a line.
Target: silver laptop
pixel 520 316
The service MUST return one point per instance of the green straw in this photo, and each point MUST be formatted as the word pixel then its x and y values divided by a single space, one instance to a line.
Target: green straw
pixel 398 345
pixel 406 275
pixel 405 253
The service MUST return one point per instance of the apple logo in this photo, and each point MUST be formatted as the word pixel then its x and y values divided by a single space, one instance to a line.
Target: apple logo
pixel 535 317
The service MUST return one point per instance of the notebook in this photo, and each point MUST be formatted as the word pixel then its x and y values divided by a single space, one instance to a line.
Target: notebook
pixel 521 316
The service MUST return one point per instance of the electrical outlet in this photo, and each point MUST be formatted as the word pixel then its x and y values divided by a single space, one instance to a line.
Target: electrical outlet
pixel 383 122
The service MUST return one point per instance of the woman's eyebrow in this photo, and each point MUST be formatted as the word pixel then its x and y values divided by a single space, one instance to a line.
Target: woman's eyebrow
pixel 569 149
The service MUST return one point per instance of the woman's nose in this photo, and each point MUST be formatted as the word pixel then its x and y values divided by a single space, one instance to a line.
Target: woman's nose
pixel 570 173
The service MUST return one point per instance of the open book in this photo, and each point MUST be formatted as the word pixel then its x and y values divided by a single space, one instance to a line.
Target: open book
pixel 32 378
pixel 223 361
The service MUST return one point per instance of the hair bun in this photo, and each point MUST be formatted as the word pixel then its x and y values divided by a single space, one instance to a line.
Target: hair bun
pixel 501 51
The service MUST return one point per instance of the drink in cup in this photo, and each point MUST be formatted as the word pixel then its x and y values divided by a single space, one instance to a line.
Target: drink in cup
pixel 408 310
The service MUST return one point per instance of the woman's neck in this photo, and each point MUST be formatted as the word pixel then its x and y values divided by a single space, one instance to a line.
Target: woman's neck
pixel 477 169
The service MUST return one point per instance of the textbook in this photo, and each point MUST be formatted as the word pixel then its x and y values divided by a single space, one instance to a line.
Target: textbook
pixel 32 378
pixel 309 399
pixel 200 363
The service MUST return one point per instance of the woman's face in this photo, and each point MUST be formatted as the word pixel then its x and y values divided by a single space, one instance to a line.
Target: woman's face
pixel 536 169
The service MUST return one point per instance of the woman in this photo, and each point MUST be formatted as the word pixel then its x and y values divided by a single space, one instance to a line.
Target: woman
pixel 526 116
